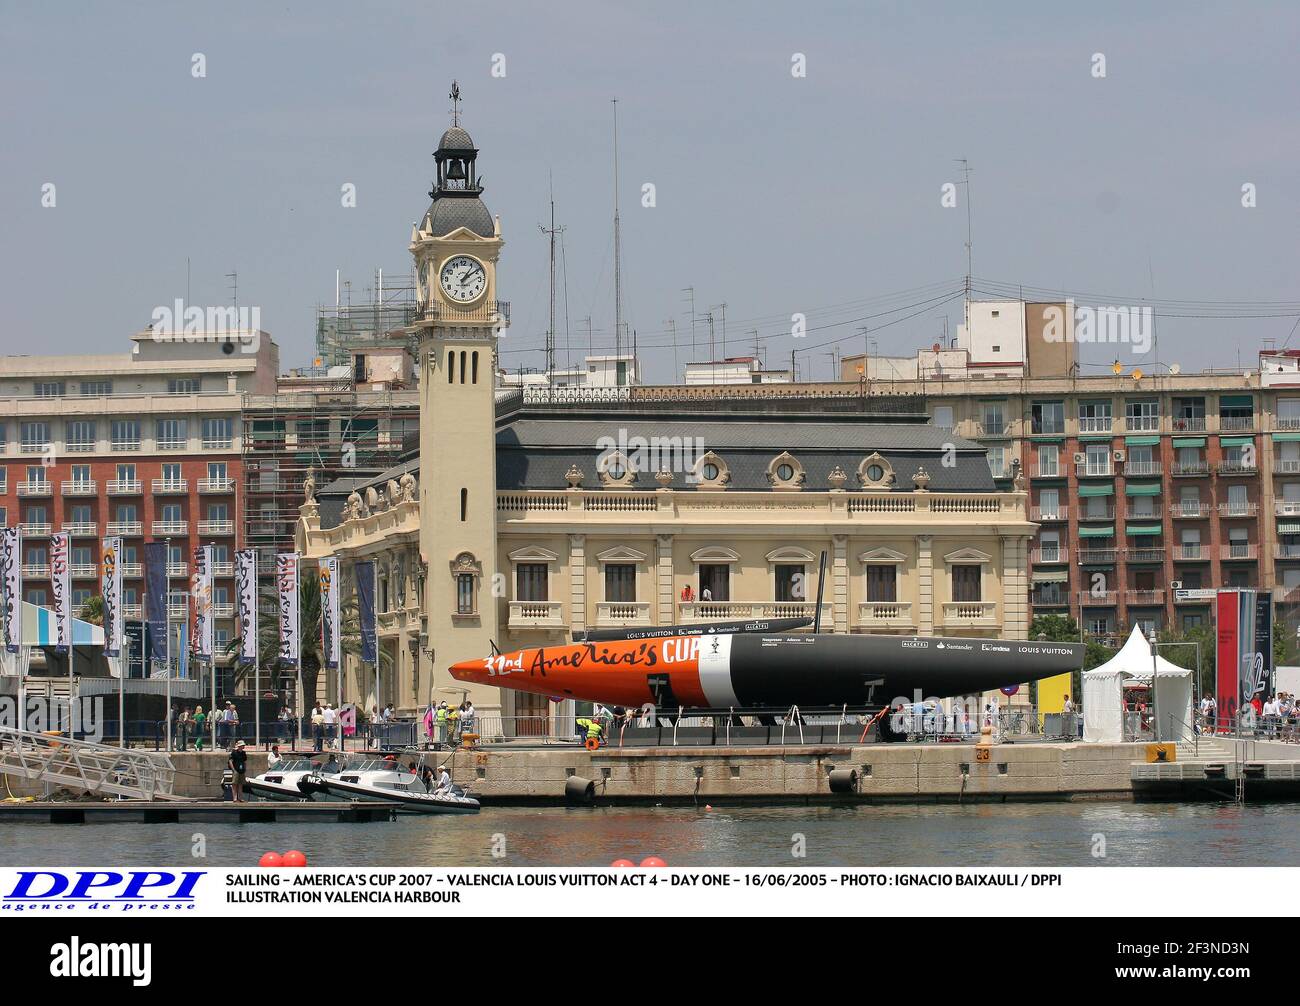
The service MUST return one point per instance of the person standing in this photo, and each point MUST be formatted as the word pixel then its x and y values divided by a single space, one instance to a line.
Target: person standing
pixel 317 728
pixel 238 762
pixel 330 718
pixel 199 720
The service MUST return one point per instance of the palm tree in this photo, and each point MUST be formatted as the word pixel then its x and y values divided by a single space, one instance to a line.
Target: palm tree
pixel 92 611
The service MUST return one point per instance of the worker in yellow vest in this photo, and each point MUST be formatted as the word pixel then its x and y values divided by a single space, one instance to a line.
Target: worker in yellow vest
pixel 440 719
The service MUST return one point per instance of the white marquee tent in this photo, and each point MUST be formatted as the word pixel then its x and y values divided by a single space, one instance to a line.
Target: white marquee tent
pixel 1103 693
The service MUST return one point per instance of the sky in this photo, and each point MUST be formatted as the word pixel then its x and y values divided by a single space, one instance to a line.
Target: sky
pixel 775 192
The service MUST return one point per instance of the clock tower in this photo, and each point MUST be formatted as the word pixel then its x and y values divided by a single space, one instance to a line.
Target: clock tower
pixel 456 246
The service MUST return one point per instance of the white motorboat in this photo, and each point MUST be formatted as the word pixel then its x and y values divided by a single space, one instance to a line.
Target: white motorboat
pixel 288 779
pixel 384 780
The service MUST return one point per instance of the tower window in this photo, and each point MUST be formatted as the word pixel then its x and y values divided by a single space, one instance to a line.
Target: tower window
pixel 464 504
pixel 462 366
pixel 474 368
pixel 451 367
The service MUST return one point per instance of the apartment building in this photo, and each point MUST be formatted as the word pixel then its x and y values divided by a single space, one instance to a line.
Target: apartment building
pixel 145 444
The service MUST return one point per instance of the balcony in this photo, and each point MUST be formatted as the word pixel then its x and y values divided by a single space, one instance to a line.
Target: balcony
pixel 1238 509
pixel 1286 508
pixel 1098 469
pixel 1142 469
pixel 1049 514
pixel 171 444
pixel 497 311
pixel 1097 556
pixel 1096 424
pixel 120 446
pixel 181 610
pixel 82 529
pixel 1238 552
pixel 132 570
pixel 37 488
pixel 36 530
pixel 1288 422
pixel 223 611
pixel 1097 511
pixel 124 528
pixel 992 430
pixel 84 571
pixel 1191 553
pixel 1098 598
pixel 705 611
pixel 1144 554
pixel 211 486
pixel 170 487
pixel 1237 468
pixel 970 614
pixel 536 615
pixel 616 614
pixel 1050 599
pixel 1286 466
pixel 36 570
pixel 1144 597
pixel 223 569
pixel 131 610
pixel 885 615
pixel 1281 551
pixel 1049 556
pixel 167 528
pixel 1142 424
pixel 125 487
pixel 1052 470
pixel 1185 469
pixel 1188 424
pixel 80 487
pixel 177 569
pixel 1236 424
pixel 216 527
pixel 1189 511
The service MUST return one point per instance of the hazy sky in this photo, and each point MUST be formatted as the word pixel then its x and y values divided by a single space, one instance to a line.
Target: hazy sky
pixel 775 194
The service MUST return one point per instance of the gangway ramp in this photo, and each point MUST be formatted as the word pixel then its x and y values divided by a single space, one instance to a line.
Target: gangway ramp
pixel 100 769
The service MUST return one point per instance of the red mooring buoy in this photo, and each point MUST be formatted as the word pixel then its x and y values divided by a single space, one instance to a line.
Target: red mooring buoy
pixel 294 858
pixel 271 859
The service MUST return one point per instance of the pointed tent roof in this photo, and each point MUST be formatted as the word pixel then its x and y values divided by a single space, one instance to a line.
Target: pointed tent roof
pixel 1134 661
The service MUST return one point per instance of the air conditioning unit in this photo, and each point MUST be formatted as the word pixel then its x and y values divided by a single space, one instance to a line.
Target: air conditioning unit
pixel 1175 584
pixel 1080 459
pixel 1119 455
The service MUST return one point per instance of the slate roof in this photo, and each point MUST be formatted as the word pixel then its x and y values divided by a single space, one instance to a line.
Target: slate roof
pixel 535 450
pixel 447 213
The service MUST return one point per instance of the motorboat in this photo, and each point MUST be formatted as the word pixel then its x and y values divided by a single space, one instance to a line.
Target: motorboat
pixel 385 780
pixel 288 779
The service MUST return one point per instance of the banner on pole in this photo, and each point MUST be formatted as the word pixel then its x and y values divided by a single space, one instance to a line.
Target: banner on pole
pixel 11 586
pixel 110 589
pixel 155 598
pixel 365 573
pixel 246 598
pixel 286 583
pixel 1258 684
pixel 61 582
pixel 201 591
pixel 329 608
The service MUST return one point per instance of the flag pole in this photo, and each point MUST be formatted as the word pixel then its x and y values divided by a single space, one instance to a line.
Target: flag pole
pixel 297 586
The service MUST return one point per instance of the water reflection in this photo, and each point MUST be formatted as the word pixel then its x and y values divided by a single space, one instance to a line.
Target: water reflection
pixel 890 835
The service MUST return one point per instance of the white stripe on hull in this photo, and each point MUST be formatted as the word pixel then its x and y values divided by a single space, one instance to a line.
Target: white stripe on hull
pixel 715 672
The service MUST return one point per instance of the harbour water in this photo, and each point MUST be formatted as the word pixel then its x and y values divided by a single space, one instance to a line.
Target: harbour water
pixel 1032 834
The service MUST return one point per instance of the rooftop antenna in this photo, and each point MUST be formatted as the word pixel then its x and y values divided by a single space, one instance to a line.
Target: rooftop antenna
pixel 233 276
pixel 550 329
pixel 691 291
pixel 564 268
pixel 618 250
pixel 965 167
pixel 672 328
pixel 591 349
pixel 713 356
pixel 722 310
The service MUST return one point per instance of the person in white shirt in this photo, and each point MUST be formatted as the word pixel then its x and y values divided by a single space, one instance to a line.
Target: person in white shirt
pixel 331 716
pixel 444 780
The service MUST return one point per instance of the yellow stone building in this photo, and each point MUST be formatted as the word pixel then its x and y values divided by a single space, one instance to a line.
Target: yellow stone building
pixel 524 521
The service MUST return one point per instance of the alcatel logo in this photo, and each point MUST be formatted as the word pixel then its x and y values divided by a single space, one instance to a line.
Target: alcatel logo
pixel 102 960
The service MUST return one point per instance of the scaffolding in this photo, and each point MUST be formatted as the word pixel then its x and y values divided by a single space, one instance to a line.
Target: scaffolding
pixel 345 328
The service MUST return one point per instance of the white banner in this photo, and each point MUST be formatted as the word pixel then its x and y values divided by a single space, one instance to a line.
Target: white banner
pixel 110 589
pixel 61 581
pixel 286 584
pixel 246 599
pixel 11 587
pixel 329 607
pixel 201 589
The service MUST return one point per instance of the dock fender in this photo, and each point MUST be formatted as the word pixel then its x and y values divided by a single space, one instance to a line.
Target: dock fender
pixel 843 780
pixel 578 790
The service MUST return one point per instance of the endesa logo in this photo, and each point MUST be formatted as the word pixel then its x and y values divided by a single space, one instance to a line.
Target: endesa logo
pixel 102 890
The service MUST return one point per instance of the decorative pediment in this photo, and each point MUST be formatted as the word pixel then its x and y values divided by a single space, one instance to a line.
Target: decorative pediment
pixel 967 555
pixel 533 553
pixel 464 562
pixel 620 553
pixel 714 553
pixel 711 472
pixel 615 471
pixel 790 553
pixel 882 555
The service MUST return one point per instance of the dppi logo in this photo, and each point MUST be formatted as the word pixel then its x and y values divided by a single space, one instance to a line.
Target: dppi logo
pixel 107 890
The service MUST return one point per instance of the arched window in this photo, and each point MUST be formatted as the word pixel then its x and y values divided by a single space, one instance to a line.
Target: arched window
pixel 474 368
pixel 464 504
pixel 462 366
pixel 451 366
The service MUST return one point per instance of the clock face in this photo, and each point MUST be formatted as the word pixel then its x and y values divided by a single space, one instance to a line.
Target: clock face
pixel 463 278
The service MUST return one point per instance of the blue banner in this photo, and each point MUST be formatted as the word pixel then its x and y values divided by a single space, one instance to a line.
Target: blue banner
pixel 365 572
pixel 155 597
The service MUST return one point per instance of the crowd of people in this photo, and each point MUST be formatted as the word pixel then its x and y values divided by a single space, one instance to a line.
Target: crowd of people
pixel 445 723
pixel 1276 718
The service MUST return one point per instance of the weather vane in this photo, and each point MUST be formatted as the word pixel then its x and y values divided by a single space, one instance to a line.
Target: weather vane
pixel 455 103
